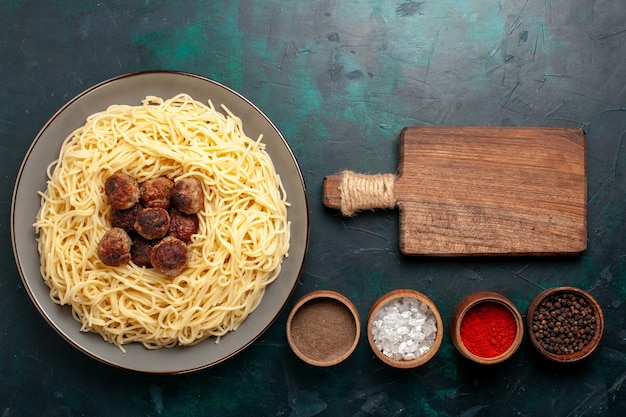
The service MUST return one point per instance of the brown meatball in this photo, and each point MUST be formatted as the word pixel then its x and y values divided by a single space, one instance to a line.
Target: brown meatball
pixel 169 256
pixel 121 190
pixel 188 196
pixel 152 223
pixel 114 247
pixel 125 219
pixel 140 251
pixel 156 192
pixel 182 225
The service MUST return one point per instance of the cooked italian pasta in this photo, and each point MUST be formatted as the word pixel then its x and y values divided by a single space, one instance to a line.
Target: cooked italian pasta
pixel 242 238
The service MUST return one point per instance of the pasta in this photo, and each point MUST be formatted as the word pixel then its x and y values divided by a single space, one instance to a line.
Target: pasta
pixel 243 232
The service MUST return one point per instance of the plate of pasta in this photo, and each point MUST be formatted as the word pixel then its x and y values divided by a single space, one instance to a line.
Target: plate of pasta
pixel 159 222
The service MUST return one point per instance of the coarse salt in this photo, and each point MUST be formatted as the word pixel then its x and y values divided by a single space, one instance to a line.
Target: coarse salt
pixel 404 329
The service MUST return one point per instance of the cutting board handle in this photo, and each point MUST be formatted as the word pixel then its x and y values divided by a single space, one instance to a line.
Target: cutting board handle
pixel 351 192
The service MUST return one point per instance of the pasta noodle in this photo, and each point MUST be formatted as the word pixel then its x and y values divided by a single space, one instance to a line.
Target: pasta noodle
pixel 243 232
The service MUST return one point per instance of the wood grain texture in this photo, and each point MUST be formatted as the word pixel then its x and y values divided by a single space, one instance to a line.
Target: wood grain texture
pixel 492 190
pixel 331 191
pixel 488 191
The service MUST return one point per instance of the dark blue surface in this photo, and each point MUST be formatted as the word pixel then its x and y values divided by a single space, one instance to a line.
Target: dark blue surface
pixel 340 79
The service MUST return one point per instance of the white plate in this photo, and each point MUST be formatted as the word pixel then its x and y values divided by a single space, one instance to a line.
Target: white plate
pixel 131 89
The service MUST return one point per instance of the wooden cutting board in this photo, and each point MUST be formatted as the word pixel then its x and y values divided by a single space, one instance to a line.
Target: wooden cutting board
pixel 479 191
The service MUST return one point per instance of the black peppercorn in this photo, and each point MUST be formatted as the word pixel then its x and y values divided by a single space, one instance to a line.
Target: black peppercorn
pixel 563 323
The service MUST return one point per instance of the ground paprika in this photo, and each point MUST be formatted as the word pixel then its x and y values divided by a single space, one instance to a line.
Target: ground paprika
pixel 488 329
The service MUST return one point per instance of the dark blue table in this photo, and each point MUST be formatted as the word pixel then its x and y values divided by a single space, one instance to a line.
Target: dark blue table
pixel 340 79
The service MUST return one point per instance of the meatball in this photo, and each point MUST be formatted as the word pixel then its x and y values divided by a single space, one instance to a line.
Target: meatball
pixel 125 219
pixel 169 256
pixel 187 195
pixel 121 190
pixel 182 225
pixel 156 192
pixel 114 247
pixel 152 223
pixel 140 251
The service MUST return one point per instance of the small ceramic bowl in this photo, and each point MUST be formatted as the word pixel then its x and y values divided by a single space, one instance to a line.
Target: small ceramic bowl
pixel 582 337
pixel 323 328
pixel 473 307
pixel 374 324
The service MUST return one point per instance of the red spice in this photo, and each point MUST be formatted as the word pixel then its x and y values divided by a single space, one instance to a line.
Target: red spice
pixel 488 330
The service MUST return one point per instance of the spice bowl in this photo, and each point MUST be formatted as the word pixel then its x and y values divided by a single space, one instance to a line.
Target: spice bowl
pixel 565 324
pixel 323 328
pixel 404 328
pixel 486 328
